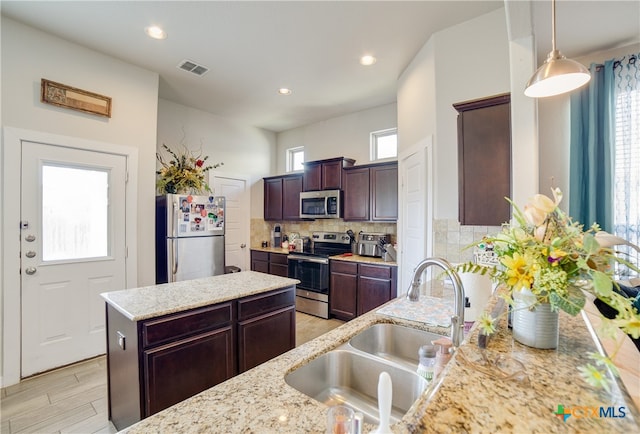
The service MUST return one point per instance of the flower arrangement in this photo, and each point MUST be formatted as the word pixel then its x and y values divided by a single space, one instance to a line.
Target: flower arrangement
pixel 547 253
pixel 184 172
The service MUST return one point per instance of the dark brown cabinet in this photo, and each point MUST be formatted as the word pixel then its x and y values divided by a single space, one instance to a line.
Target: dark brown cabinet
pixel 270 263
pixel 357 288
pixel 282 197
pixel 325 174
pixel 343 287
pixel 484 160
pixel 266 327
pixel 371 192
pixel 158 362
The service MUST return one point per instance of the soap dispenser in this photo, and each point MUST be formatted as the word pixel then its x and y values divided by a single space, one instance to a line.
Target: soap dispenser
pixel 442 356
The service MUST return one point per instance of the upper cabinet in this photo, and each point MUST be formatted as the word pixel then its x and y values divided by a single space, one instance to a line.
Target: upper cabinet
pixel 282 197
pixel 371 192
pixel 325 174
pixel 484 160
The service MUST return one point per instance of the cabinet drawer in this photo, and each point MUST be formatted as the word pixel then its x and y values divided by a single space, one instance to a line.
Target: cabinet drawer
pixel 379 272
pixel 263 303
pixel 344 267
pixel 173 327
pixel 278 258
pixel 257 255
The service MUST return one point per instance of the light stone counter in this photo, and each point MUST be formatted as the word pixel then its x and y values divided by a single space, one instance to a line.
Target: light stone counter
pixel 153 301
pixel 363 259
pixel 460 400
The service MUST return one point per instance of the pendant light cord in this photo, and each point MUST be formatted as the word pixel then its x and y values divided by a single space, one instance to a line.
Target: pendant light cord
pixel 553 25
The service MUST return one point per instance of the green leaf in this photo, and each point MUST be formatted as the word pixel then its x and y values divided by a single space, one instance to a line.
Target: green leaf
pixel 602 284
pixel 590 244
pixel 572 303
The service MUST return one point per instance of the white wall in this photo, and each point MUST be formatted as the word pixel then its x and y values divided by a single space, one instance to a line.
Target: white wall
pixel 461 63
pixel 344 136
pixel 244 150
pixel 27 55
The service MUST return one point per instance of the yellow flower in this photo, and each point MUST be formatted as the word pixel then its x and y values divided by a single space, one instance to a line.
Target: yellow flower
pixel 517 273
pixel 594 376
pixel 487 325
pixel 631 326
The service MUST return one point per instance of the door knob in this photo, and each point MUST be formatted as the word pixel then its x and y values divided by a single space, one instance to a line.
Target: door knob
pixel 30 271
pixel 243 245
pixel 30 254
pixel 30 238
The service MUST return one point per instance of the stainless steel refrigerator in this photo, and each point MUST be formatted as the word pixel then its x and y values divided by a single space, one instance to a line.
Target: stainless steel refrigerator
pixel 189 237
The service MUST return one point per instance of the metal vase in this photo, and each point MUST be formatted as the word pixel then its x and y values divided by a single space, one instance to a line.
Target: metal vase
pixel 534 325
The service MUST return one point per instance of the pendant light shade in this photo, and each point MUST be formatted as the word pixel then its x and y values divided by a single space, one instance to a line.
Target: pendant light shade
pixel 558 74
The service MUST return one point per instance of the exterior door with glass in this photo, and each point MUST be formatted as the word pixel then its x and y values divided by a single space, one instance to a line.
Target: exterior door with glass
pixel 72 249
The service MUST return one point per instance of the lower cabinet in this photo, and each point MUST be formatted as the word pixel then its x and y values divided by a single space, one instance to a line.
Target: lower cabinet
pixel 266 327
pixel 343 289
pixel 158 362
pixel 356 288
pixel 202 361
pixel 270 263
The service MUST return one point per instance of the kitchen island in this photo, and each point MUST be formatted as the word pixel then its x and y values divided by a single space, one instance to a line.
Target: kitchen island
pixel 168 342
pixel 462 399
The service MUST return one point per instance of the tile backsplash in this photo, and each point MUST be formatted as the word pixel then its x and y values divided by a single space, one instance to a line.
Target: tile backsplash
pixel 261 230
pixel 451 238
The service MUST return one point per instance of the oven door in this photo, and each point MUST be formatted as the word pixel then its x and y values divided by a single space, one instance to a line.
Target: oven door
pixel 312 272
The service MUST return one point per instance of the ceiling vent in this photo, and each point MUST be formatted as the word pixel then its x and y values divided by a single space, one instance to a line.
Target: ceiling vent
pixel 193 67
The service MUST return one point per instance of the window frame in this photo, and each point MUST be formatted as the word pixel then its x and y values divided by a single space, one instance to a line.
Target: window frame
pixel 374 136
pixel 290 158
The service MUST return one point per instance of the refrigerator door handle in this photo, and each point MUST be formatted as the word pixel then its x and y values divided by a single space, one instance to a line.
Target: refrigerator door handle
pixel 176 216
pixel 174 260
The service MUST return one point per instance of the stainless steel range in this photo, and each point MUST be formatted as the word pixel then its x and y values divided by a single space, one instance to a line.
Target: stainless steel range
pixel 312 270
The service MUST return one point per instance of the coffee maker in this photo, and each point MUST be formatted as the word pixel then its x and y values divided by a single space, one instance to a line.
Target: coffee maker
pixel 276 236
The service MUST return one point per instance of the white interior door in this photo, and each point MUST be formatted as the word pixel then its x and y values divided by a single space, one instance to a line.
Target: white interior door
pixel 237 218
pixel 415 211
pixel 72 249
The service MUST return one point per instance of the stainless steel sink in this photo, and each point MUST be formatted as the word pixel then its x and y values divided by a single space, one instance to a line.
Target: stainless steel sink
pixel 344 376
pixel 392 342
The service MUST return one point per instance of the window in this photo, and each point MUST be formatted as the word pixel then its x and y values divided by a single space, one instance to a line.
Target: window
pixel 384 144
pixel 295 158
pixel 75 210
pixel 627 161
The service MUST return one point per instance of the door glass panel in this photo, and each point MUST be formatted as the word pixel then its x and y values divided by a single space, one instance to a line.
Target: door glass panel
pixel 74 213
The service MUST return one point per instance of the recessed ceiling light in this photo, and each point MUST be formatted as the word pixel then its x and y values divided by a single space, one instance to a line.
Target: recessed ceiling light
pixel 368 60
pixel 284 91
pixel 155 32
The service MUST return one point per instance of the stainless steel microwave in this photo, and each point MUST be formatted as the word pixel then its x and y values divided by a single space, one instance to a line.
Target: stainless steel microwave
pixel 325 204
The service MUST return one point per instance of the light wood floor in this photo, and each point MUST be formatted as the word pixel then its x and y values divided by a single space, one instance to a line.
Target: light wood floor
pixel 73 399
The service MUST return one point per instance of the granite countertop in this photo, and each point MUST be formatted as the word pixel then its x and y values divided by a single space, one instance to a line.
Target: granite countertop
pixel 156 300
pixel 344 257
pixel 460 400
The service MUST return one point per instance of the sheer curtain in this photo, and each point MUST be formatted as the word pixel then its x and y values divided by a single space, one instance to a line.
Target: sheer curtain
pixel 626 73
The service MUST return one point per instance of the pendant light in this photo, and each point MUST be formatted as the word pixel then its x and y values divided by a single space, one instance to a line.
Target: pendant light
pixel 557 74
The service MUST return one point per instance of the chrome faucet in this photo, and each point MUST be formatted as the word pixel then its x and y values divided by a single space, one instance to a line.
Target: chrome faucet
pixel 457 320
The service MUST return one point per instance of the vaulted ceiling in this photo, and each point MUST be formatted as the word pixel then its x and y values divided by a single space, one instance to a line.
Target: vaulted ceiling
pixel 254 48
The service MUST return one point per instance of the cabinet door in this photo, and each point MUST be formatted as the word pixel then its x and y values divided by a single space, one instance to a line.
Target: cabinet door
pixel 384 192
pixel 177 371
pixel 291 188
pixel 343 296
pixel 372 292
pixel 356 194
pixel 260 261
pixel 484 161
pixel 332 175
pixel 273 198
pixel 312 178
pixel 265 337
